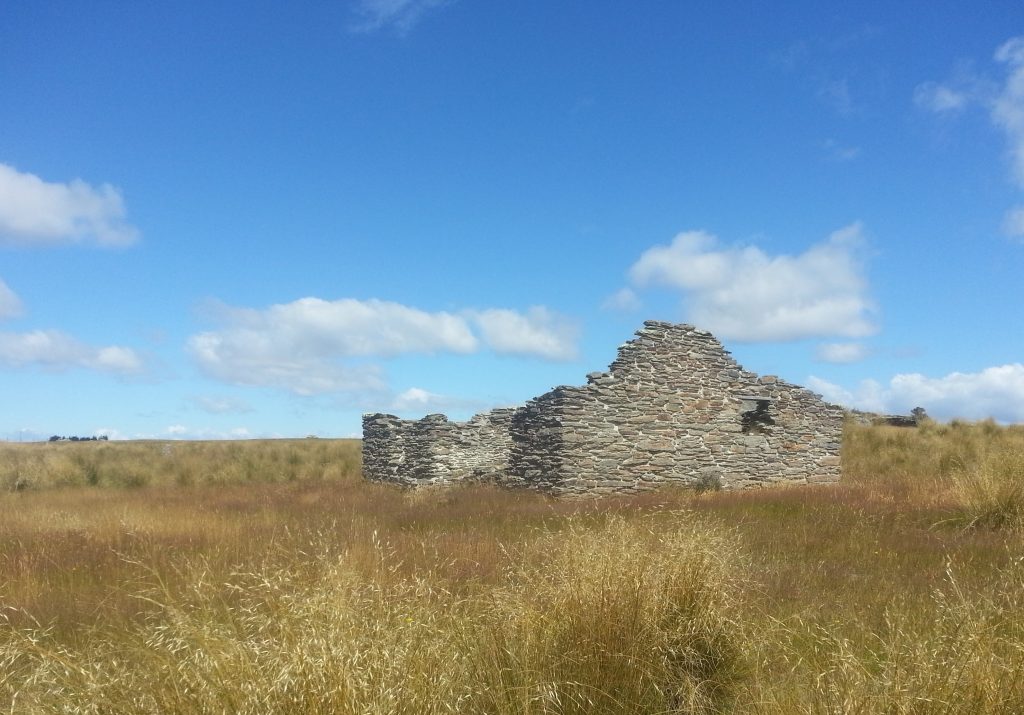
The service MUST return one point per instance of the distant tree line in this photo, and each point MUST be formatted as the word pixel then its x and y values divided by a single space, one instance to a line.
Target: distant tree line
pixel 58 438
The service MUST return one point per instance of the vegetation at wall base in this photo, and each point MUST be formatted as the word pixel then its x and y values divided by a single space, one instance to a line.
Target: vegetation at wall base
pixel 267 577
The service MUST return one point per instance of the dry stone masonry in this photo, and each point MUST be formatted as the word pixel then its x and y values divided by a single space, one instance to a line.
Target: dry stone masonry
pixel 673 408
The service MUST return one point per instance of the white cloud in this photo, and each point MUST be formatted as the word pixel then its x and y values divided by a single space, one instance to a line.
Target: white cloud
pixel 1011 51
pixel 840 152
pixel 251 357
pixel 346 327
pixel 867 396
pixel 38 212
pixel 184 432
pixel 312 346
pixel 964 87
pixel 418 401
pixel 401 15
pixel 842 352
pixel 1008 107
pixel 996 392
pixel 414 397
pixel 115 359
pixel 837 95
pixel 741 293
pixel 940 98
pixel 298 346
pixel 10 303
pixel 1004 101
pixel 221 405
pixel 624 300
pixel 539 332
pixel 1013 222
pixel 55 350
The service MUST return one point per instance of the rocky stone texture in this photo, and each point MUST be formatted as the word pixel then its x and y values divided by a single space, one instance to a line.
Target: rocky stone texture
pixel 673 408
pixel 433 450
pixel 868 419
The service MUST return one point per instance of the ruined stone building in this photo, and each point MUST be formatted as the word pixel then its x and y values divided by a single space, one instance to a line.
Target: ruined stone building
pixel 673 408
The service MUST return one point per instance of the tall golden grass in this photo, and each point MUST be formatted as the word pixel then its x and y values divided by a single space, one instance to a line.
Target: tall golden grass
pixel 159 463
pixel 274 580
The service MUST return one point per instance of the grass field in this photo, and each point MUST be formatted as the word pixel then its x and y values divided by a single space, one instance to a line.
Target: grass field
pixel 267 577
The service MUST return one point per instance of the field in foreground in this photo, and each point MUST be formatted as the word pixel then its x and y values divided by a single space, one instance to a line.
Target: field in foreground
pixel 267 577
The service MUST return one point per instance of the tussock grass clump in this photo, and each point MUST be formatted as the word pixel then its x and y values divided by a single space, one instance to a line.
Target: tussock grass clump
pixel 990 489
pixel 973 470
pixel 609 619
pixel 964 658
pixel 263 642
pixel 626 618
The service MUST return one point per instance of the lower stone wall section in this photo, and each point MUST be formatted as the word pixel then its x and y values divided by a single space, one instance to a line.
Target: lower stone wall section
pixel 433 450
pixel 673 408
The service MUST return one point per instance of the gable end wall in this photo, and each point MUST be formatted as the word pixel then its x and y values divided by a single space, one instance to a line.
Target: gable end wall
pixel 670 410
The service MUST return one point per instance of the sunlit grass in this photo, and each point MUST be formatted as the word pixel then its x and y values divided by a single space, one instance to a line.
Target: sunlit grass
pixel 990 488
pixel 275 580
pixel 154 463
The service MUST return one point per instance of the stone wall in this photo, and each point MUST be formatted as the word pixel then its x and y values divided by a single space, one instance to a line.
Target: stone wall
pixel 433 450
pixel 673 408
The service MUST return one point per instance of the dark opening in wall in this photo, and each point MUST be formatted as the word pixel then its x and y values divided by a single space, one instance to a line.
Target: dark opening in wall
pixel 756 416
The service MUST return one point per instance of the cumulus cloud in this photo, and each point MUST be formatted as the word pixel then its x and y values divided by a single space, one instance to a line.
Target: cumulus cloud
pixel 744 294
pixel 414 398
pixel 248 357
pixel 313 346
pixel 55 350
pixel 38 212
pixel 841 352
pixel 10 303
pixel 346 327
pixel 624 300
pixel 400 15
pixel 539 332
pixel 996 392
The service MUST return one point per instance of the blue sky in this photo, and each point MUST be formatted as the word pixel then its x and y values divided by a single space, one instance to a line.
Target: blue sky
pixel 230 219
